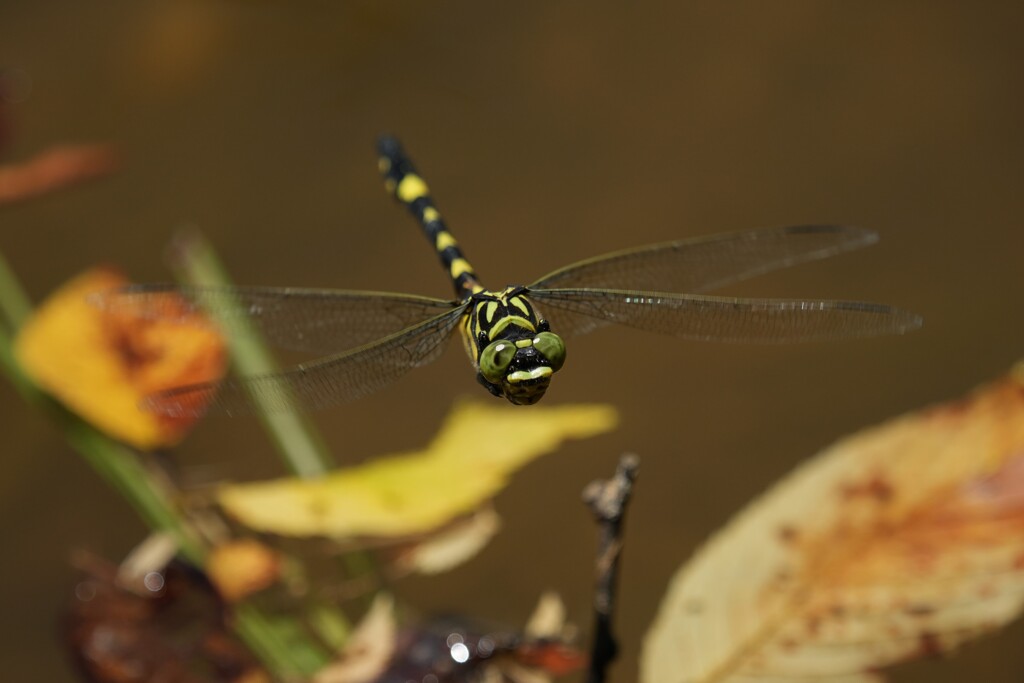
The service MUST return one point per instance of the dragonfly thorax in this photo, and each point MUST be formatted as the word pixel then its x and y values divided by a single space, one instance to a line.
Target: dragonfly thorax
pixel 513 349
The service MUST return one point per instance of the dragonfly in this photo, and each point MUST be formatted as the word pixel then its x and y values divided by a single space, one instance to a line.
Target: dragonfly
pixel 514 337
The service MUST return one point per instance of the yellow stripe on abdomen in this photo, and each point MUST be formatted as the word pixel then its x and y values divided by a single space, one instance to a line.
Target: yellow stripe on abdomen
pixel 460 266
pixel 411 188
pixel 444 240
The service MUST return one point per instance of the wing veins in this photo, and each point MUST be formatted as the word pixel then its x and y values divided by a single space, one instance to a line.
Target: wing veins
pixel 716 318
pixel 299 319
pixel 705 263
pixel 327 381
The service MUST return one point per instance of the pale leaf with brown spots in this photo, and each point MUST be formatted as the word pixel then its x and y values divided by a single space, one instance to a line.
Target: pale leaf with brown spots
pixel 901 541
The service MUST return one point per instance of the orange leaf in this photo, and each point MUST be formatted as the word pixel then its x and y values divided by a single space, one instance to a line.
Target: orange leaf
pixel 241 568
pixel 901 541
pixel 101 363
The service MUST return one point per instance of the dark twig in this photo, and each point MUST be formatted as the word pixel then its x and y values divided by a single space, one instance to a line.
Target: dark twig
pixel 607 501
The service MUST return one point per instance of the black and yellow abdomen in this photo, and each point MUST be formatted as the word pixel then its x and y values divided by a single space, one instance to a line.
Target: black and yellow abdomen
pixel 402 180
pixel 512 348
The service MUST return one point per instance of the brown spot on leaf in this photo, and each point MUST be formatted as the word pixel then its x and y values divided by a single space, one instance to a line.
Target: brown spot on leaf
pixel 919 610
pixel 929 644
pixel 875 488
pixel 987 590
pixel 788 534
pixel 694 607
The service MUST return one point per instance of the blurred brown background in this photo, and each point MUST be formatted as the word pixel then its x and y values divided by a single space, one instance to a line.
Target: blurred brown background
pixel 548 133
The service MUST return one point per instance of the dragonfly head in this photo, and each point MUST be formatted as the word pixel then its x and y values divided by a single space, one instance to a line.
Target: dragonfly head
pixel 521 369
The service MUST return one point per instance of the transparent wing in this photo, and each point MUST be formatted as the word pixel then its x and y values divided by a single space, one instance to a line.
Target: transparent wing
pixel 328 381
pixel 695 316
pixel 311 320
pixel 706 263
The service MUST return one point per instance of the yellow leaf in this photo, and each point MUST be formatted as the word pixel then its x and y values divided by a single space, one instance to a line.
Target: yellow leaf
pixel 101 363
pixel 468 463
pixel 903 540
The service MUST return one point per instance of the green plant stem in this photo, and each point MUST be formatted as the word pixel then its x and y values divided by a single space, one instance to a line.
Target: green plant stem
pixel 14 302
pixel 115 463
pixel 120 467
pixel 300 445
pixel 298 442
pixel 330 626
pixel 282 650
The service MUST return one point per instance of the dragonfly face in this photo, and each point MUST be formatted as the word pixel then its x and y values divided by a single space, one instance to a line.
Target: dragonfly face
pixel 515 352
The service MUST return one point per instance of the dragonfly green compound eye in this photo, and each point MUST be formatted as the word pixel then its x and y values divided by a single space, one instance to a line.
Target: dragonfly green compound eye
pixel 551 346
pixel 495 359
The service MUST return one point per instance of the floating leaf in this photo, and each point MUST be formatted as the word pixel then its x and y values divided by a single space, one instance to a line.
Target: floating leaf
pixel 903 540
pixel 417 492
pixel 101 363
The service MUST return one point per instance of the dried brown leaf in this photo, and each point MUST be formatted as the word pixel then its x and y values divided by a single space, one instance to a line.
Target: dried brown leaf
pixel 54 169
pixel 168 629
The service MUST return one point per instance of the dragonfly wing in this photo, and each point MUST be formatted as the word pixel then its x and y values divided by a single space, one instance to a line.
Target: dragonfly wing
pixel 329 381
pixel 706 263
pixel 714 318
pixel 311 320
